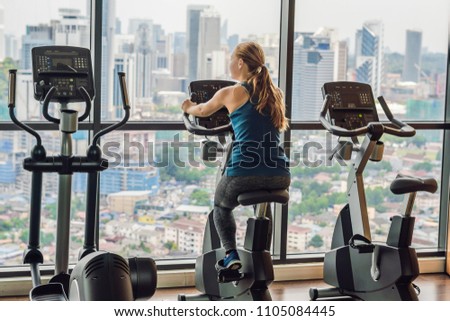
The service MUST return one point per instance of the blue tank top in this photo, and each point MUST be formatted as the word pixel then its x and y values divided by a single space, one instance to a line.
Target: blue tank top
pixel 256 149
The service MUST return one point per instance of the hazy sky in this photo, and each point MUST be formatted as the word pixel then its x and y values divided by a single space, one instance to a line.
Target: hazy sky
pixel 262 16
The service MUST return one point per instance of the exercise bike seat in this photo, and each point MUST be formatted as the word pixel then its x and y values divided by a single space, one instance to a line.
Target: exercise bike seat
pixel 264 196
pixel 403 184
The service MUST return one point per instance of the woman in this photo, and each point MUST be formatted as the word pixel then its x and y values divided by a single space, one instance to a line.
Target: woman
pixel 257 161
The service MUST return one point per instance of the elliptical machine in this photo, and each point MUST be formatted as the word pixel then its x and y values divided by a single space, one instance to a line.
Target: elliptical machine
pixel 63 74
pixel 356 266
pixel 251 282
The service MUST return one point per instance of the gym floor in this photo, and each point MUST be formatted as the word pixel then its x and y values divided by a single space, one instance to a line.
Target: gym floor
pixel 434 287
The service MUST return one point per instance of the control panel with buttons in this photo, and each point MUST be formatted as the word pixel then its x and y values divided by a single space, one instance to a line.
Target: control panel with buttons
pixel 352 104
pixel 65 68
pixel 202 91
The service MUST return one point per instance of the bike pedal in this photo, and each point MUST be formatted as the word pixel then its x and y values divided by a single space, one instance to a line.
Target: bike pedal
pixel 365 248
pixel 226 276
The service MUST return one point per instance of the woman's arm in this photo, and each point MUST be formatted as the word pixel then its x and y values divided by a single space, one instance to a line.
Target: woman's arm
pixel 210 107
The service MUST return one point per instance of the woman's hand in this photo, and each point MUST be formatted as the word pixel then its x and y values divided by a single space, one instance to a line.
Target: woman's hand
pixel 187 104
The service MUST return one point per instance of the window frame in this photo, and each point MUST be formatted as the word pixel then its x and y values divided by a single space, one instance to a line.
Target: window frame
pixel 280 255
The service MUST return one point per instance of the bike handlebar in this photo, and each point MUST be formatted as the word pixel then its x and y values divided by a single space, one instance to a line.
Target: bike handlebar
pixel 200 130
pixel 402 130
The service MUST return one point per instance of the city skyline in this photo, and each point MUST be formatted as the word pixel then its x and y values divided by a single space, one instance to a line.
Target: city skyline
pixel 433 21
pixel 148 47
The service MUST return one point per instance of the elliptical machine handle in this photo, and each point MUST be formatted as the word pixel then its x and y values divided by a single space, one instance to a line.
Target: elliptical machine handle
pixel 402 130
pixel 88 101
pixel 12 105
pixel 12 88
pixel 124 91
pixel 47 100
pixel 126 108
pixel 337 130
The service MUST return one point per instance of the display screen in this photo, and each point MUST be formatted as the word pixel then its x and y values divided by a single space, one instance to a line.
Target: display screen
pixel 351 100
pixel 63 61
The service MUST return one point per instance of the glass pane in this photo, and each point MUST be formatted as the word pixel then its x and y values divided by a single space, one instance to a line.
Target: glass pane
pixel 156 195
pixel 15 191
pixel 403 59
pixel 25 24
pixel 318 190
pixel 162 47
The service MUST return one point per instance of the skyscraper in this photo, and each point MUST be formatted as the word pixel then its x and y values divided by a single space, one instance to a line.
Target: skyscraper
pixel 369 58
pixel 2 33
pixel 411 65
pixel 209 47
pixel 192 38
pixel 179 54
pixel 73 29
pixel 41 35
pixel 108 31
pixel 314 61
pixel 144 65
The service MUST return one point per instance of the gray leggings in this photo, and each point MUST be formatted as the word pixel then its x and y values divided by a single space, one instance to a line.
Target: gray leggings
pixel 225 200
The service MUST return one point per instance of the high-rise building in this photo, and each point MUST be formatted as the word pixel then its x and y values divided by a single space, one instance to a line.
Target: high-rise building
pixel 369 58
pixel 72 29
pixel 340 61
pixel 233 41
pixel 2 34
pixel 108 31
pixel 209 60
pixel 12 47
pixel 179 55
pixel 144 60
pixel 41 35
pixel 192 39
pixel 314 63
pixel 411 64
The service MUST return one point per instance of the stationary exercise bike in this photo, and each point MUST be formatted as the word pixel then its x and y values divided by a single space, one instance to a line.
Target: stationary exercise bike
pixel 356 266
pixel 251 282
pixel 63 75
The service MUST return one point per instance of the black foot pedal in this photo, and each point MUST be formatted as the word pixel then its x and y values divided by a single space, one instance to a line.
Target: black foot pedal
pixel 48 292
pixel 363 246
pixel 227 275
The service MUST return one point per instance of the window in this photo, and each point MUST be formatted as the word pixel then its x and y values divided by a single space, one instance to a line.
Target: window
pixel 401 52
pixel 404 59
pixel 163 46
pixel 156 194
pixel 41 23
pixel 318 189
pixel 153 204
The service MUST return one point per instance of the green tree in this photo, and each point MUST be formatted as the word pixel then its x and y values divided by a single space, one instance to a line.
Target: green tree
pixel 425 166
pixel 419 141
pixel 200 197
pixel 170 245
pixel 316 241
pixel 375 195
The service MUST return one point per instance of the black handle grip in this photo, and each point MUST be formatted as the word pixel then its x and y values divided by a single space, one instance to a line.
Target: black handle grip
pixel 200 130
pixel 404 130
pixel 88 100
pixel 126 108
pixel 124 91
pixel 12 88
